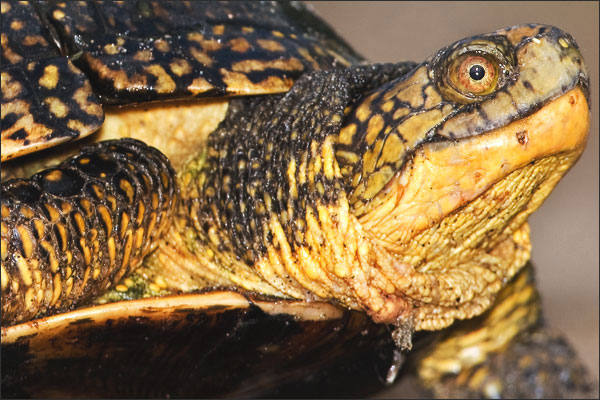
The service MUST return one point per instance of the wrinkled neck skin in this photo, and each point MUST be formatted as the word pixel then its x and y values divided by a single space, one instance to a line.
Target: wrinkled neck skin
pixel 401 202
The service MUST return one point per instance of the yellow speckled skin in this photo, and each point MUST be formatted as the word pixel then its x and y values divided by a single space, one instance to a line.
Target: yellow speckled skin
pixel 516 309
pixel 386 205
pixel 430 226
pixel 71 231
pixel 401 190
pixel 489 355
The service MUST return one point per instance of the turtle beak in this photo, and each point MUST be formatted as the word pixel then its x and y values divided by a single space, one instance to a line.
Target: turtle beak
pixel 584 84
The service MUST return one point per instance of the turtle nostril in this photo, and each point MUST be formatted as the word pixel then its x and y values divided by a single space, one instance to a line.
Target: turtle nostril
pixel 564 43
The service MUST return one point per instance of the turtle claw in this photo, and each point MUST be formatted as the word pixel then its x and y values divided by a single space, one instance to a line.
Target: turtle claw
pixel 397 362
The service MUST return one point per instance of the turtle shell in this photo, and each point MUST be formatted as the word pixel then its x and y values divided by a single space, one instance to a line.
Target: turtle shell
pixel 62 61
pixel 213 344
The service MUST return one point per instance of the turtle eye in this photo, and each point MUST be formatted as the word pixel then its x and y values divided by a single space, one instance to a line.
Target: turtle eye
pixel 474 75
pixel 468 71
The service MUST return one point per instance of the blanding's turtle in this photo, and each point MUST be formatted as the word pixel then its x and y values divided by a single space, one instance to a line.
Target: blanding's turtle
pixel 252 199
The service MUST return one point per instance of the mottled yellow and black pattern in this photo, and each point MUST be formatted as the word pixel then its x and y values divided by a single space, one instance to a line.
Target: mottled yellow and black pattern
pixel 70 232
pixel 373 202
pixel 368 185
pixel 400 190
pixel 424 107
pixel 508 352
pixel 258 161
pixel 60 60
pixel 144 51
pixel 46 100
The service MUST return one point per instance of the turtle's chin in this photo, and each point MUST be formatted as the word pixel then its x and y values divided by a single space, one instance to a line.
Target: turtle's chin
pixel 464 233
pixel 482 226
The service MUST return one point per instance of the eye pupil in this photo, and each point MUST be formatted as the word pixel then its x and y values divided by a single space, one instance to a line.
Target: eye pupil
pixel 477 72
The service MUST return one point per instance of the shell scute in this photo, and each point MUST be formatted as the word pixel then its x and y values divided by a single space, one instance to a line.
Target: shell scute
pixel 61 61
pixel 46 100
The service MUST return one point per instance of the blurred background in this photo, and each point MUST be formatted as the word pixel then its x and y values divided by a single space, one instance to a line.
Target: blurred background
pixel 565 229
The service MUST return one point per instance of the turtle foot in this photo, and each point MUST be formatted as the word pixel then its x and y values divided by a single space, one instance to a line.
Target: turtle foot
pixel 539 363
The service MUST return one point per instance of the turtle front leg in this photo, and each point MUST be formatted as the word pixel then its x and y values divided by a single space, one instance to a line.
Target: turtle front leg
pixel 69 232
pixel 508 352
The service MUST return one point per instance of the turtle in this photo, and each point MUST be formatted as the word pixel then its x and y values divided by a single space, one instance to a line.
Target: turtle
pixel 281 201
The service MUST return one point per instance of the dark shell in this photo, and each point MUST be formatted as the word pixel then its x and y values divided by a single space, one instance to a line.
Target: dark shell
pixel 61 61
pixel 215 344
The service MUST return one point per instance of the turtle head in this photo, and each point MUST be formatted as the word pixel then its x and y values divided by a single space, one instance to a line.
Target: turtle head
pixel 464 90
pixel 446 163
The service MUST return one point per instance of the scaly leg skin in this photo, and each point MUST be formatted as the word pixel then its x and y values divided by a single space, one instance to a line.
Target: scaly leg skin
pixel 508 352
pixel 71 231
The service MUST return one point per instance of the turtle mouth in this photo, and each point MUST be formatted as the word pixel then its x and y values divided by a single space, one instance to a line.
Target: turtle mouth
pixel 583 83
